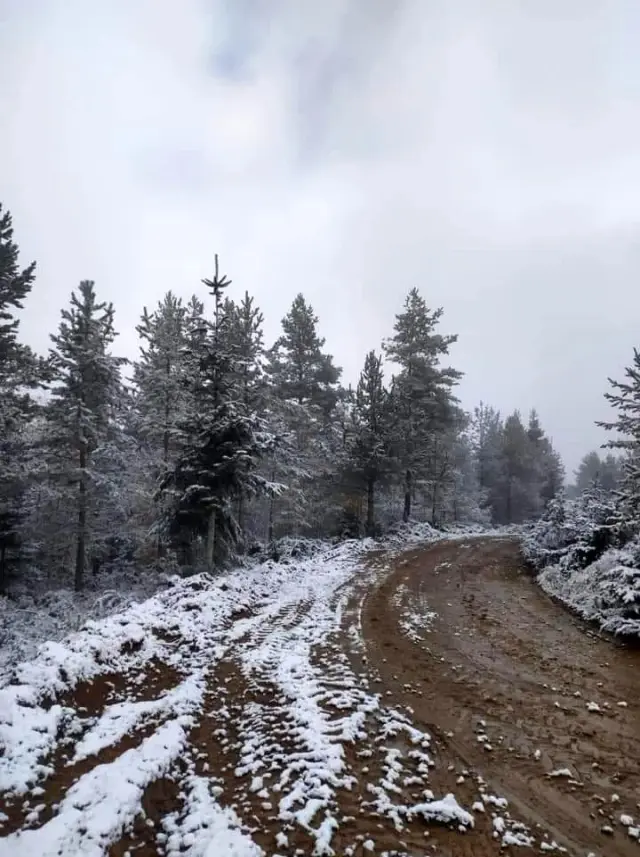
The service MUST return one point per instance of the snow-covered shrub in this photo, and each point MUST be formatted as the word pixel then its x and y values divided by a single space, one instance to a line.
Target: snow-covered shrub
pixel 578 550
pixel 573 533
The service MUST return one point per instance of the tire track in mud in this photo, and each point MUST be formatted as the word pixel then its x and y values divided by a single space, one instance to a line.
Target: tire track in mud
pixel 516 688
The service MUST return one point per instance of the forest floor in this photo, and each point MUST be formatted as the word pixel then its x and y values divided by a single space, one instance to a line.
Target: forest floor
pixel 426 701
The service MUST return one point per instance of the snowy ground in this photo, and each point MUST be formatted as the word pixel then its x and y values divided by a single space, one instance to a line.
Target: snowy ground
pixel 245 716
pixel 36 612
pixel 251 654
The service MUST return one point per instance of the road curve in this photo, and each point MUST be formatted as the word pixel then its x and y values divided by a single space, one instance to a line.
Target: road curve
pixel 513 687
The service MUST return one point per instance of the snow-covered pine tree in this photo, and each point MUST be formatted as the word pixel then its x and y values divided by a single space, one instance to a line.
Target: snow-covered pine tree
pixel 81 415
pixel 625 398
pixel 545 477
pixel 553 474
pixel 222 444
pixel 466 501
pixel 244 339
pixel 594 469
pixel 425 406
pixel 485 433
pixel 370 442
pixel 158 378
pixel 19 371
pixel 304 392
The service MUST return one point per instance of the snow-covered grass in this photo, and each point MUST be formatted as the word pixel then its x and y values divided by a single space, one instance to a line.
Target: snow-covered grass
pixel 35 611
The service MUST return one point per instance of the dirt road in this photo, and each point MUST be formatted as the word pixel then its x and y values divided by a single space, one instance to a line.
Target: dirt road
pixel 501 660
pixel 432 702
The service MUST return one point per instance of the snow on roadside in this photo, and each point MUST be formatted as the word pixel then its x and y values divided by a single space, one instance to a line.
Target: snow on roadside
pixel 606 592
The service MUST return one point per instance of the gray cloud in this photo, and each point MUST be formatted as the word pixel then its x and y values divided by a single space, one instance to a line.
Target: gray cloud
pixel 486 152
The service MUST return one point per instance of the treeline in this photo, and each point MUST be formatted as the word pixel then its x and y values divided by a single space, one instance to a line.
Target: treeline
pixel 211 441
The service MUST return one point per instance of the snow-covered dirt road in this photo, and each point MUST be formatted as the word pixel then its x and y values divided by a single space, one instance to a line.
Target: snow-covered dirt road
pixel 355 702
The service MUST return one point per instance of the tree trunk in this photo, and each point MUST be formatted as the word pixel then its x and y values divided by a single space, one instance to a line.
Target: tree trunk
pixel 408 488
pixel 272 503
pixel 211 540
pixel 241 515
pixel 82 520
pixel 371 488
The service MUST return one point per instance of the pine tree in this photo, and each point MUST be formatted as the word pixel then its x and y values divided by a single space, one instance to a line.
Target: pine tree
pixel 19 371
pixel 305 374
pixel 244 340
pixel 223 445
pixel 594 470
pixel 423 398
pixel 516 487
pixel 303 397
pixel 467 501
pixel 371 429
pixel 485 433
pixel 159 378
pixel 625 398
pixel 86 393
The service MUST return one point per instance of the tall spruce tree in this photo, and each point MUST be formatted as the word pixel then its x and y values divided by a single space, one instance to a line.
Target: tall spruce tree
pixel 422 394
pixel 371 430
pixel 19 370
pixel 517 491
pixel 485 433
pixel 304 393
pixel 244 339
pixel 159 378
pixel 223 445
pixel 85 396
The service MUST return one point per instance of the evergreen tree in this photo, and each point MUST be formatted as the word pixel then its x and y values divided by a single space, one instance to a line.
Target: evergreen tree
pixel 159 378
pixel 85 397
pixel 304 373
pixel 19 370
pixel 625 398
pixel 244 340
pixel 304 394
pixel 371 426
pixel 422 395
pixel 223 445
pixel 467 501
pixel 485 434
pixel 516 472
pixel 598 471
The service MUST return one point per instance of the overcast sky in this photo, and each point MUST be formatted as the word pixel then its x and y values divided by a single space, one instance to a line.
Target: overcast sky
pixel 485 151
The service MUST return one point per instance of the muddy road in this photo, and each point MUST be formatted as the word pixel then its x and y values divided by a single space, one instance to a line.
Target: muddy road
pixel 431 701
pixel 516 688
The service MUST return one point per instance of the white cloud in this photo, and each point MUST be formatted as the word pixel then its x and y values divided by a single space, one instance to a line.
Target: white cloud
pixel 483 151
